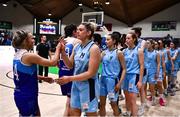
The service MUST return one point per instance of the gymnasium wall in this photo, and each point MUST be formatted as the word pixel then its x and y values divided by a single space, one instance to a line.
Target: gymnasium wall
pixel 170 14
pixel 22 19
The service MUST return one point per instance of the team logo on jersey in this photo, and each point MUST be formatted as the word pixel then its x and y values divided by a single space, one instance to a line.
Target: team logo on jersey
pixel 110 58
pixel 82 55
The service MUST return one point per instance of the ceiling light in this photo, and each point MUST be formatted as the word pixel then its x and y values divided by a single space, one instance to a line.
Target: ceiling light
pixel 49 13
pixel 80 4
pixel 96 2
pixel 4 4
pixel 107 2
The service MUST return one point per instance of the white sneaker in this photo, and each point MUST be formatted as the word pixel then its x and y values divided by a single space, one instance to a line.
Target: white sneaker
pixel 147 105
pixel 127 113
pixel 140 110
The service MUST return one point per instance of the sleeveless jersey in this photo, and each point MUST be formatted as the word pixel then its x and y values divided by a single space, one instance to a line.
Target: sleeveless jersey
pixel 152 60
pixel 172 53
pixel 110 64
pixel 81 58
pixel 25 77
pixel 63 70
pixel 132 60
pixel 139 43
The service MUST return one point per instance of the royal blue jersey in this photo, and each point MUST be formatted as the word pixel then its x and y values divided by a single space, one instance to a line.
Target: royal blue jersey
pixel 63 70
pixel 25 77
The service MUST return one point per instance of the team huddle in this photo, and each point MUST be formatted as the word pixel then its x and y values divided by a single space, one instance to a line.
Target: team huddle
pixel 128 64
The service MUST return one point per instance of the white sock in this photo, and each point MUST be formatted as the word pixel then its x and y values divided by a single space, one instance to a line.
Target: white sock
pixel 161 95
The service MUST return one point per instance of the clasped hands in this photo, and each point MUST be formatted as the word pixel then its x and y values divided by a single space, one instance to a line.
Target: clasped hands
pixel 63 80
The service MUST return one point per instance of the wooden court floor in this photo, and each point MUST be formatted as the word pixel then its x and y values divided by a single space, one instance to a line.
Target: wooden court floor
pixel 51 101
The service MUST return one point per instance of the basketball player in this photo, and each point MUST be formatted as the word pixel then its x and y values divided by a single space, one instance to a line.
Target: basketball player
pixel 71 41
pixel 153 68
pixel 25 73
pixel 85 59
pixel 172 67
pixel 162 73
pixel 112 62
pixel 134 58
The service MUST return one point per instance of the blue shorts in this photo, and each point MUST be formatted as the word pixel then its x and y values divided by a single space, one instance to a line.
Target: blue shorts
pixel 130 82
pixel 107 86
pixel 174 73
pixel 27 106
pixel 160 78
pixel 168 69
pixel 151 76
pixel 85 95
pixel 66 88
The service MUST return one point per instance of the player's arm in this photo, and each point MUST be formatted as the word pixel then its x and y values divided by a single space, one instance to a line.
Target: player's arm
pixel 31 58
pixel 141 63
pixel 123 66
pixel 158 64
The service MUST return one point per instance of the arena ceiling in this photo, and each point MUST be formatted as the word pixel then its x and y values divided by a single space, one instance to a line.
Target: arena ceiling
pixel 126 11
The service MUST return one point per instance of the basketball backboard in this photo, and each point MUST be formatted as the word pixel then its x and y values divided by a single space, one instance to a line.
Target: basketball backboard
pixel 96 17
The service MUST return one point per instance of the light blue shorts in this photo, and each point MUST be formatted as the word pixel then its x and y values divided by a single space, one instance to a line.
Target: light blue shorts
pixel 168 68
pixel 107 86
pixel 151 76
pixel 130 83
pixel 85 95
pixel 160 78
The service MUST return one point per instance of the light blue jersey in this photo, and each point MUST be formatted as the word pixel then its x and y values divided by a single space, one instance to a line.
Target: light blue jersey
pixel 110 72
pixel 160 78
pixel 152 61
pixel 139 43
pixel 172 53
pixel 84 94
pixel 81 58
pixel 132 60
pixel 165 54
pixel 169 66
pixel 175 62
pixel 132 70
pixel 110 64
pixel 152 66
